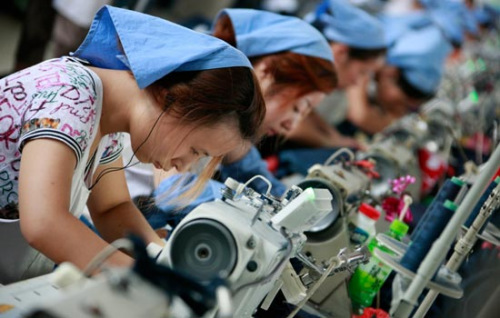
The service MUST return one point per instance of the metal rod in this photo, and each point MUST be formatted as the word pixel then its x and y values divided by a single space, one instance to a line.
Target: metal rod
pixel 436 255
pixel 463 247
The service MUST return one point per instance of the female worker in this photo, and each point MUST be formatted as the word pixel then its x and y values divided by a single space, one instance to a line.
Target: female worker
pixel 411 76
pixel 358 44
pixel 293 63
pixel 181 95
pixel 294 66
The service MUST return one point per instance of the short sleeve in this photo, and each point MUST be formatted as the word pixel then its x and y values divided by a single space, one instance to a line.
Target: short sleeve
pixel 65 105
pixel 113 148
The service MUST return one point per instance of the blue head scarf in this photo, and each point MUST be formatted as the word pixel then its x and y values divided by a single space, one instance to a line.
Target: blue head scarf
pixel 397 25
pixel 453 17
pixel 261 32
pixel 483 14
pixel 152 47
pixel 342 22
pixel 420 54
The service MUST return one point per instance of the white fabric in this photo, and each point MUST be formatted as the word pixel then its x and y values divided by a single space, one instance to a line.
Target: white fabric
pixel 80 12
pixel 140 176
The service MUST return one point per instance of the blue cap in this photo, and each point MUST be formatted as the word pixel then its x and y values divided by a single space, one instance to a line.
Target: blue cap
pixel 396 25
pixel 342 22
pixel 449 23
pixel 483 15
pixel 453 17
pixel 421 55
pixel 261 32
pixel 152 47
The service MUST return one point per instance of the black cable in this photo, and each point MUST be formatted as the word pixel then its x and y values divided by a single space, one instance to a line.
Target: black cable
pixel 114 169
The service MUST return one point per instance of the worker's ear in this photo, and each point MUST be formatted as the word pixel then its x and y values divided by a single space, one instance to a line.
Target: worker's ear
pixel 340 52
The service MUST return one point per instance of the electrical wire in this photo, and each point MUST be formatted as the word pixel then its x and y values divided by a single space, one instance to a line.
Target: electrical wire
pixel 337 153
pixel 104 254
pixel 114 169
pixel 275 269
pixel 269 185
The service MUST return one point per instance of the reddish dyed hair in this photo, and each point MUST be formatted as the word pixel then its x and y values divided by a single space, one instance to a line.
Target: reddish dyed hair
pixel 305 74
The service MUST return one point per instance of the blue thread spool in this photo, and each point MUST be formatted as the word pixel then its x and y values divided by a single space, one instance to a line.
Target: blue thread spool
pixel 448 191
pixel 480 203
pixel 438 217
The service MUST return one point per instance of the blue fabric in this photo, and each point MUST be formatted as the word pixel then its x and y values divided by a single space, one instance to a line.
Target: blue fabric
pixel 171 188
pixel 453 17
pixel 300 160
pixel 340 21
pixel 483 15
pixel 396 25
pixel 421 55
pixel 152 47
pixel 261 32
pixel 449 23
pixel 249 166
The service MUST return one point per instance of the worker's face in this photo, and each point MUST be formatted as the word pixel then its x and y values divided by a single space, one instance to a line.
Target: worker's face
pixel 176 145
pixel 349 70
pixel 389 94
pixel 284 112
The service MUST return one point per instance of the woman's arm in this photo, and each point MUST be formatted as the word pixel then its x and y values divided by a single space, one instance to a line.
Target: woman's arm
pixel 113 212
pixel 313 131
pixel 360 112
pixel 45 178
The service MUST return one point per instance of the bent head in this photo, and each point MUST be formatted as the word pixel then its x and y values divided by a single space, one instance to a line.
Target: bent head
pixel 395 94
pixel 352 63
pixel 292 78
pixel 200 113
pixel 292 84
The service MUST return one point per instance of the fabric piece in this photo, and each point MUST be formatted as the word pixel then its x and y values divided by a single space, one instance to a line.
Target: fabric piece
pixel 170 189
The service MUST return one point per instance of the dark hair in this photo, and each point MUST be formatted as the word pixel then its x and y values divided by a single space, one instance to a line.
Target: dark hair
pixel 210 96
pixel 366 54
pixel 410 90
pixel 224 30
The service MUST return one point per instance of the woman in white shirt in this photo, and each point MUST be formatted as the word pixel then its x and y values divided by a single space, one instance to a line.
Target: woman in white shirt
pixel 181 95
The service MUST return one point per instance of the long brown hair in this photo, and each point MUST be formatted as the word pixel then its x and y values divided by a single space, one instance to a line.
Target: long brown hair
pixel 211 96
